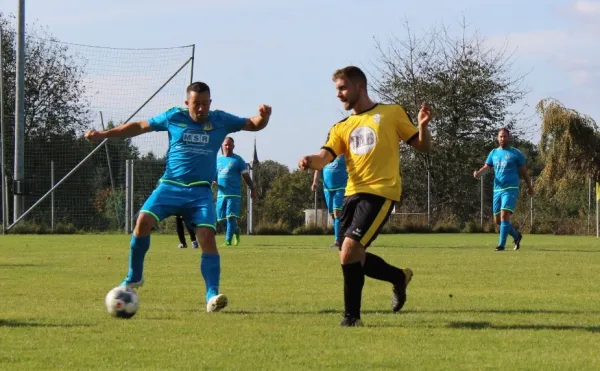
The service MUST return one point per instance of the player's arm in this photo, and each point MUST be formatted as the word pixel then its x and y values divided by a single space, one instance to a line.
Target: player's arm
pixel 422 141
pixel 259 121
pixel 316 161
pixel 525 175
pixel 128 130
pixel 315 181
pixel 482 171
pixel 249 183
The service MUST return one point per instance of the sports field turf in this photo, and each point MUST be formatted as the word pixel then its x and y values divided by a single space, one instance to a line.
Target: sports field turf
pixel 468 308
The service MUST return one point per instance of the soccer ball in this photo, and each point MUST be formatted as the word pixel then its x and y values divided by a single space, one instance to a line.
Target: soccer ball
pixel 122 302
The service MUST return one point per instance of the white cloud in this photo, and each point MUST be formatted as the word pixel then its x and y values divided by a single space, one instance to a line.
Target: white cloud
pixel 586 8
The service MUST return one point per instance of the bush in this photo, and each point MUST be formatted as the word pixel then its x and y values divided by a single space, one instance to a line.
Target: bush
pixel 273 229
pixel 25 227
pixel 473 227
pixel 310 229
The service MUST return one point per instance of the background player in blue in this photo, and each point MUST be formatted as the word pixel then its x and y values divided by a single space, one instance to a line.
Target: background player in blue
pixel 508 163
pixel 335 177
pixel 231 168
pixel 195 136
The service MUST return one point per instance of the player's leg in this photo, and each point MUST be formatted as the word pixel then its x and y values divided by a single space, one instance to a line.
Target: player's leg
pixel 509 203
pixel 337 204
pixel 161 204
pixel 192 233
pixel 180 232
pixel 373 212
pixel 234 207
pixel 202 215
pixel 496 208
pixel 328 197
pixel 222 216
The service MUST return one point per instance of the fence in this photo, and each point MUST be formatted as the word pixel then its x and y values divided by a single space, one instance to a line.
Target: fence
pixel 71 88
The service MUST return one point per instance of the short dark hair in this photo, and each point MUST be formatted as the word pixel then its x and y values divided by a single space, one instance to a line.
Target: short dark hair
pixel 198 87
pixel 352 73
pixel 504 129
pixel 232 141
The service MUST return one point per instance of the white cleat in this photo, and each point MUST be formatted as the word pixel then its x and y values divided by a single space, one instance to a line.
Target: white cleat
pixel 216 303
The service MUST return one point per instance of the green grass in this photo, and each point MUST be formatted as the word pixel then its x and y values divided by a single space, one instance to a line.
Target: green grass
pixel 468 308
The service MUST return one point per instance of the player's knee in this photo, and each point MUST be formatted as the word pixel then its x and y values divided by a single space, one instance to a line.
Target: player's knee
pixel 352 251
pixel 206 239
pixel 143 226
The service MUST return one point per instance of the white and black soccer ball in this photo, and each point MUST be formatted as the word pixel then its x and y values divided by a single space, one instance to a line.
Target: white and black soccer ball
pixel 122 302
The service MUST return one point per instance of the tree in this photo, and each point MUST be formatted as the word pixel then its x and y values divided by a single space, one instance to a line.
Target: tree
pixel 472 91
pixel 289 196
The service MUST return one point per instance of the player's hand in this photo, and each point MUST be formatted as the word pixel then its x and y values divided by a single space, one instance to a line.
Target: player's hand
pixel 304 163
pixel 264 110
pixel 424 114
pixel 530 191
pixel 475 175
pixel 314 187
pixel 253 194
pixel 94 135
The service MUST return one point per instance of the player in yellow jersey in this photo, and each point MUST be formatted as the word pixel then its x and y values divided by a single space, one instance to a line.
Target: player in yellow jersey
pixel 370 139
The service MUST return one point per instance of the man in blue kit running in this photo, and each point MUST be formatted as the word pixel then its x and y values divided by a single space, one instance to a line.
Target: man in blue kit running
pixel 335 177
pixel 231 168
pixel 195 137
pixel 508 164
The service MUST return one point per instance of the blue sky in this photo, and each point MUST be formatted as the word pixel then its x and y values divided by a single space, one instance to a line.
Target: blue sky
pixel 283 53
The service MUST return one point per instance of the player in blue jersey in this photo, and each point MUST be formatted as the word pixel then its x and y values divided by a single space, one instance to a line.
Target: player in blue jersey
pixel 231 168
pixel 195 136
pixel 335 177
pixel 509 166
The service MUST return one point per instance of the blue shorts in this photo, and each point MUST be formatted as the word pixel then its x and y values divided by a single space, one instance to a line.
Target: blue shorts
pixel 334 199
pixel 505 200
pixel 194 204
pixel 228 207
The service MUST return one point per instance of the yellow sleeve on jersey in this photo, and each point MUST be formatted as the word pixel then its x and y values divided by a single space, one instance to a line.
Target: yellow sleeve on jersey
pixel 404 126
pixel 335 141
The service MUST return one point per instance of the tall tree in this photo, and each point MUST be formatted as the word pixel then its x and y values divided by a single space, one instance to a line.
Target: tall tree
pixel 472 91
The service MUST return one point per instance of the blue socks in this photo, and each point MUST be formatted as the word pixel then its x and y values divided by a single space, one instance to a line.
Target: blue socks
pixel 138 248
pixel 210 267
pixel 506 228
pixel 336 228
pixel 231 228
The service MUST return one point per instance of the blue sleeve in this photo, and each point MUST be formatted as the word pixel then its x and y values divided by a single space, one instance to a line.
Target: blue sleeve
pixel 232 123
pixel 520 159
pixel 490 159
pixel 160 122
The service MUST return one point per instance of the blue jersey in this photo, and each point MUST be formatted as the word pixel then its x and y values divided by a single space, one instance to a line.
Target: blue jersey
pixel 229 175
pixel 506 163
pixel 193 146
pixel 335 175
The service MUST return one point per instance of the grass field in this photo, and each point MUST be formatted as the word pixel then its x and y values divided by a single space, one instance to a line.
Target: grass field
pixel 468 308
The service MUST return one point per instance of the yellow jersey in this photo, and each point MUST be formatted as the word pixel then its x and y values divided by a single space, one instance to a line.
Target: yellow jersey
pixel 371 142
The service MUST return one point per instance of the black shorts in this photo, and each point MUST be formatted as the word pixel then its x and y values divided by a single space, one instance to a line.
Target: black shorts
pixel 362 217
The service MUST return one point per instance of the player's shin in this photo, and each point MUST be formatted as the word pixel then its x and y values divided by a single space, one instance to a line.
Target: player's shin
pixel 504 228
pixel 138 248
pixel 210 267
pixel 354 280
pixel 336 228
pixel 375 267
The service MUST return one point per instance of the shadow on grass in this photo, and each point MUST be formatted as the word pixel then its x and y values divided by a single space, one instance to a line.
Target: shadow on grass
pixel 14 323
pixel 501 311
pixel 490 326
pixel 22 265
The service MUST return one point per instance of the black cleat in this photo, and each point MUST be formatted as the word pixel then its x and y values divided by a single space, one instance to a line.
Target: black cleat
pixel 518 242
pixel 499 248
pixel 351 322
pixel 399 291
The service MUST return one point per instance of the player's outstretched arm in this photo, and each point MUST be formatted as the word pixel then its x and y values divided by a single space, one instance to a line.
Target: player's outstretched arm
pixel 259 121
pixel 250 184
pixel 315 162
pixel 131 129
pixel 525 174
pixel 423 142
pixel 481 171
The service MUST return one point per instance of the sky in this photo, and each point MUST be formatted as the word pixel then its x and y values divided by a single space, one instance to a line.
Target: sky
pixel 283 53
